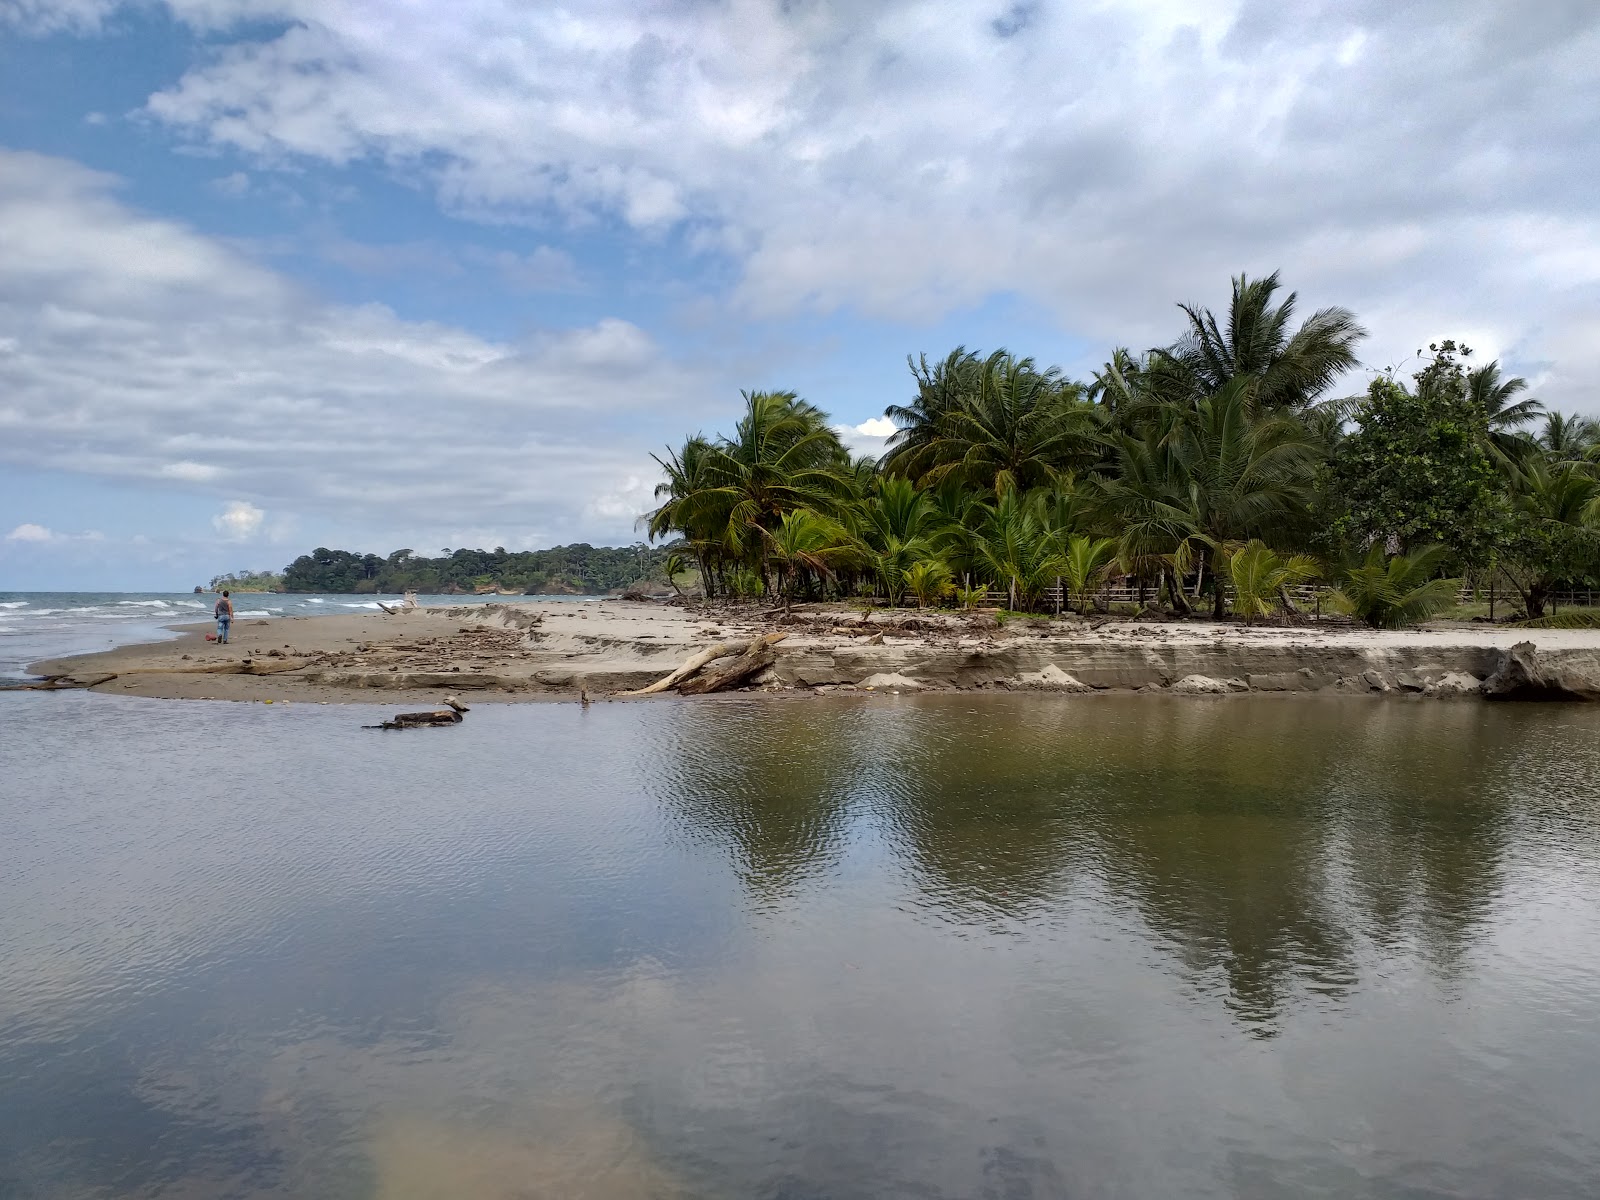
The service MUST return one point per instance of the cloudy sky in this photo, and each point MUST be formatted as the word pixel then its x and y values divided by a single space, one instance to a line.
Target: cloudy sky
pixel 394 273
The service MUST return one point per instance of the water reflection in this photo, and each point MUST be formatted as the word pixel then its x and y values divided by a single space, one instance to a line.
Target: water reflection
pixel 1007 946
pixel 1268 855
pixel 770 785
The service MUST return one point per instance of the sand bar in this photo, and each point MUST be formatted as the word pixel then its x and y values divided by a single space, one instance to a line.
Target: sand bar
pixel 554 650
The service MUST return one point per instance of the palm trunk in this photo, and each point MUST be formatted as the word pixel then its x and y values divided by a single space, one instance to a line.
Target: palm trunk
pixel 1179 600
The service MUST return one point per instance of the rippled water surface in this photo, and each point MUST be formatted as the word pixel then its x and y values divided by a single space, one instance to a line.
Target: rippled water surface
pixel 1004 947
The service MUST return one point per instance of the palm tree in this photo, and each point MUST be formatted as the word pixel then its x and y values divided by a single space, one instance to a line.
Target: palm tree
pixel 804 541
pixel 896 524
pixel 1023 427
pixel 1505 415
pixel 1015 548
pixel 928 580
pixel 1120 383
pixel 1569 439
pixel 1290 369
pixel 692 507
pixel 672 566
pixel 1085 564
pixel 1394 591
pixel 1202 478
pixel 1556 529
pixel 942 387
pixel 1261 578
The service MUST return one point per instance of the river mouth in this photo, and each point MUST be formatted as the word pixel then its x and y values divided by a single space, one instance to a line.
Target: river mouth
pixel 948 945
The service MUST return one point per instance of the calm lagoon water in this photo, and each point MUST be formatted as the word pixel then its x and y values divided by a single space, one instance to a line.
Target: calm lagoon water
pixel 1004 947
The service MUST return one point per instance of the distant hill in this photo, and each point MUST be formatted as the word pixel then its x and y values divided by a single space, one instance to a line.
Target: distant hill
pixel 578 569
pixel 248 581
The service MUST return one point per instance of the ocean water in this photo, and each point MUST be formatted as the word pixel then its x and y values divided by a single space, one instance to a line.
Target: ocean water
pixel 40 625
pixel 852 947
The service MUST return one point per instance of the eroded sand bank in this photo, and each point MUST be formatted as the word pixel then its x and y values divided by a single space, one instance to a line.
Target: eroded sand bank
pixel 529 651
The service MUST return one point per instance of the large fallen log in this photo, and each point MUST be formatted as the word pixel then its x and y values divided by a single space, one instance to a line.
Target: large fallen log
pixel 690 665
pixel 423 720
pixel 757 656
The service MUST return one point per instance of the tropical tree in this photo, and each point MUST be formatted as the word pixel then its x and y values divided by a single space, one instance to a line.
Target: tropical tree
pixel 1554 531
pixel 726 496
pixel 1085 563
pixel 928 580
pixel 1504 416
pixel 942 388
pixel 805 541
pixel 1290 367
pixel 1392 591
pixel 1261 578
pixel 1219 473
pixel 1569 439
pixel 672 566
pixel 1016 549
pixel 1420 469
pixel 1021 427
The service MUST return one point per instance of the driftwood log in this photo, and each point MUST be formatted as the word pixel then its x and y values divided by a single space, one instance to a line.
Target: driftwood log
pixel 757 656
pixel 753 656
pixel 450 715
pixel 689 667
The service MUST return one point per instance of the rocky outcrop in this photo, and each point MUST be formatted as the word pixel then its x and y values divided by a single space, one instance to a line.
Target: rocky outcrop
pixel 1525 674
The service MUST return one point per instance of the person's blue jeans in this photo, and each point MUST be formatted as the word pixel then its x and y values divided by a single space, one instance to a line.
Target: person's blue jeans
pixel 222 628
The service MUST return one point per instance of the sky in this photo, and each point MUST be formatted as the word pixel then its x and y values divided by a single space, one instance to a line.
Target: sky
pixel 382 274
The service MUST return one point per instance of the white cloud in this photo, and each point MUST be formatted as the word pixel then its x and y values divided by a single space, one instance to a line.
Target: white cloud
pixel 190 472
pixel 868 438
pixel 909 157
pixel 139 350
pixel 30 533
pixel 40 535
pixel 239 522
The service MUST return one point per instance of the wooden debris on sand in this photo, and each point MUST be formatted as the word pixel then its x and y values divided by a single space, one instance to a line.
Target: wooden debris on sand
pixel 692 678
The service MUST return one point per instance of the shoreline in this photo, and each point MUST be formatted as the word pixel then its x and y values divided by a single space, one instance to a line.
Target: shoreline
pixel 555 650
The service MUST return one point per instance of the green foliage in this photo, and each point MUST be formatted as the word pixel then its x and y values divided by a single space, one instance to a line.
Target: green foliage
pixel 1554 531
pixel 973 597
pixel 1572 618
pixel 1215 460
pixel 929 581
pixel 1418 468
pixel 573 570
pixel 1394 591
pixel 248 581
pixel 1085 564
pixel 673 566
pixel 1259 577
pixel 806 542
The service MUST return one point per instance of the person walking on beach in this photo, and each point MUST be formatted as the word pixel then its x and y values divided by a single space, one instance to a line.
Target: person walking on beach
pixel 224 611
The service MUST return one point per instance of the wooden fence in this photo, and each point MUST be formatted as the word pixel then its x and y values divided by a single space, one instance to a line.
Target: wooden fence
pixel 1307 597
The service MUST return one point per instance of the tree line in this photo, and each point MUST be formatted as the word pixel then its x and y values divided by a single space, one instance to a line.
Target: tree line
pixel 1214 472
pixel 578 569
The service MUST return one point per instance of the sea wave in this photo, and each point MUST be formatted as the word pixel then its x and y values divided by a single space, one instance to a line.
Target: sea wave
pixel 14 604
pixel 255 612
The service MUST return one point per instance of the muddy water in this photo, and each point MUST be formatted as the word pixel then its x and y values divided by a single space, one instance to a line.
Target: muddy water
pixel 934 947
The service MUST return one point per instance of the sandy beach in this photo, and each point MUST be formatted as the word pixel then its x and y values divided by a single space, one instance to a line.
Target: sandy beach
pixel 555 650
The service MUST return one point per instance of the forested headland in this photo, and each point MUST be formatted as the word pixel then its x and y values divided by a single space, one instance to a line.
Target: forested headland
pixel 578 569
pixel 1210 474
